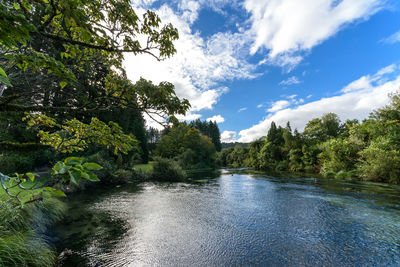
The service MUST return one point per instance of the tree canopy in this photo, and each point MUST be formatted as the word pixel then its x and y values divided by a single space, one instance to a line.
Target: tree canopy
pixel 61 70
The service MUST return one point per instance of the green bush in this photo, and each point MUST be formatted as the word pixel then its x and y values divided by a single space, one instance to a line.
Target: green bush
pixel 122 174
pixel 343 175
pixel 282 166
pixel 329 174
pixel 12 163
pixel 167 170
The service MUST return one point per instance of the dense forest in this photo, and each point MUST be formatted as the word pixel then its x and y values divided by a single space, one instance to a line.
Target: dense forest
pixel 367 150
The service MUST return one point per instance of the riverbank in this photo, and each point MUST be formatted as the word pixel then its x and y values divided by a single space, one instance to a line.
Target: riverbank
pixel 23 239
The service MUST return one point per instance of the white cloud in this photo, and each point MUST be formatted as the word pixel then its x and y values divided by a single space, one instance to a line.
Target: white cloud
pixel 290 81
pixel 200 65
pixel 369 81
pixel 278 105
pixel 228 136
pixel 189 116
pixel 216 118
pixel 242 109
pixel 260 105
pixel 287 27
pixel 351 104
pixel 394 38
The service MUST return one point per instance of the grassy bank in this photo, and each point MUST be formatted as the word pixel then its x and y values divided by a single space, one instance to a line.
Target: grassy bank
pixel 144 167
pixel 22 232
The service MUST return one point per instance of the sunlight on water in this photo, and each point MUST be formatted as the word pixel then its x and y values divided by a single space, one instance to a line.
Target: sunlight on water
pixel 235 220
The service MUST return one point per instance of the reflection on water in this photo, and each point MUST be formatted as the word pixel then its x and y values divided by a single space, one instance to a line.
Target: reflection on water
pixel 235 220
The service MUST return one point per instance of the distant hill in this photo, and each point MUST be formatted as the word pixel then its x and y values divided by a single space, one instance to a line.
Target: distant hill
pixel 228 145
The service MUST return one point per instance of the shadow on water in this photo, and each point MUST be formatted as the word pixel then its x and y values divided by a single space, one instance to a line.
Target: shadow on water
pixel 234 218
pixel 86 233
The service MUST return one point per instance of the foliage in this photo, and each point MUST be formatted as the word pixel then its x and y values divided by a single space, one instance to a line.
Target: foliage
pixel 72 169
pixel 209 129
pixel 380 162
pixel 64 62
pixel 188 146
pixel 339 154
pixel 369 150
pixel 167 170
pixel 9 163
pixel 75 135
pixel 20 230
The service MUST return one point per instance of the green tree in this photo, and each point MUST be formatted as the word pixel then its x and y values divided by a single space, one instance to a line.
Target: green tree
pixel 51 43
pixel 188 146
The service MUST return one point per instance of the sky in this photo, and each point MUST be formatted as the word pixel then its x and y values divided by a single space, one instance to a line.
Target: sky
pixel 247 63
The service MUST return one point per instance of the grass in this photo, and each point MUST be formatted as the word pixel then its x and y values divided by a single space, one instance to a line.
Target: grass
pixel 22 242
pixel 144 167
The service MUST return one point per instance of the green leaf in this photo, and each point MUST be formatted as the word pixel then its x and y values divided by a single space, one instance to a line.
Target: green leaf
pixel 85 175
pixel 93 177
pixel 92 166
pixel 3 73
pixel 16 6
pixel 73 160
pixel 31 176
pixel 60 168
pixel 75 177
pixel 57 167
pixel 5 81
pixel 63 84
pixel 54 192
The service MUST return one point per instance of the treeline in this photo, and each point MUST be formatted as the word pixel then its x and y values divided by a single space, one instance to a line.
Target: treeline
pixel 367 150
pixel 192 145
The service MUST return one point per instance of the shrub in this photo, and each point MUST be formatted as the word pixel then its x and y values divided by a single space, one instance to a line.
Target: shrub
pixel 328 174
pixel 343 175
pixel 13 163
pixel 122 174
pixel 167 170
pixel 380 162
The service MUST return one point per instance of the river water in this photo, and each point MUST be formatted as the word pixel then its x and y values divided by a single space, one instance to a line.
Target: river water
pixel 235 219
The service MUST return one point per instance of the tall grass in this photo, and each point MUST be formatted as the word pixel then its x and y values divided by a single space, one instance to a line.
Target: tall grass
pixel 22 242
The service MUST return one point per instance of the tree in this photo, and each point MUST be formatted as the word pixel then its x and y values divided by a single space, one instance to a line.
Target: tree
pixel 209 129
pixel 319 130
pixel 54 40
pixel 188 146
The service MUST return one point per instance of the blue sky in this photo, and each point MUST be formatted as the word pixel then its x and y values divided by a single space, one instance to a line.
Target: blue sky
pixel 246 63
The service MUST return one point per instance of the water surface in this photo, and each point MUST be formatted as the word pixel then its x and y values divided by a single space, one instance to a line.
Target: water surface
pixel 235 220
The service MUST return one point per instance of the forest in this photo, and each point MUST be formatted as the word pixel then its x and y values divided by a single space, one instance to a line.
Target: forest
pixel 367 150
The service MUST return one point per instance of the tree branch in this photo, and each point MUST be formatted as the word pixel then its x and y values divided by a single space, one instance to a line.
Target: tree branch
pixel 99 47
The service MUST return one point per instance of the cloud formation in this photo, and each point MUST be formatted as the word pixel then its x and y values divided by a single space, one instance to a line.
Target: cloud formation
pixel 290 81
pixel 281 31
pixel 356 101
pixel 278 105
pixel 287 27
pixel 200 65
pixel 228 136
pixel 394 38
pixel 216 118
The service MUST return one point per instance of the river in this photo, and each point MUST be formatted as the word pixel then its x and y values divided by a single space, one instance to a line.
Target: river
pixel 235 219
